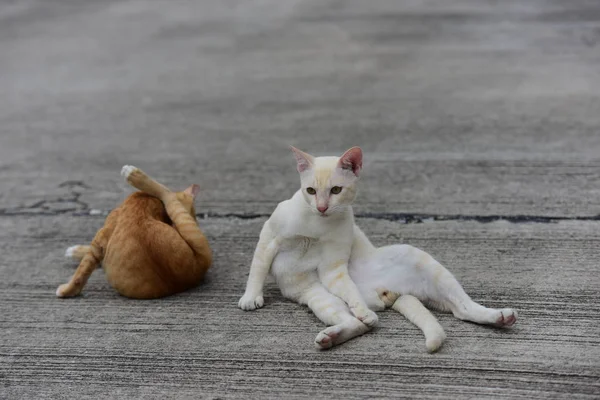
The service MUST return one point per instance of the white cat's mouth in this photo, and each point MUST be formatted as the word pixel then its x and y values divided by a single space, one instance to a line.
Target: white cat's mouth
pixel 322 214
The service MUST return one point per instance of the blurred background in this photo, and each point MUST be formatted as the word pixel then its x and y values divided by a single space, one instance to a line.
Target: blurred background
pixel 462 107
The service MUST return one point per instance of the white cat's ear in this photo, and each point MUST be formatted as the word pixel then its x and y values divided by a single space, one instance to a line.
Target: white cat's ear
pixel 305 160
pixel 351 160
pixel 193 190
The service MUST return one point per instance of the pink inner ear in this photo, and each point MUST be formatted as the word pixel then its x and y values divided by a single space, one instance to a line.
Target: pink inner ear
pixel 303 159
pixel 193 190
pixel 352 160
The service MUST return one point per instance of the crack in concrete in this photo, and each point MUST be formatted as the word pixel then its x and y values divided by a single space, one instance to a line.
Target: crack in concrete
pixel 70 202
pixel 516 219
pixel 403 218
pixel 76 207
pixel 407 218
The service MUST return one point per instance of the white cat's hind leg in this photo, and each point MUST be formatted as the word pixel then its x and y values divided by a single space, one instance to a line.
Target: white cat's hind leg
pixel 441 287
pixel 340 333
pixel 333 311
pixel 451 294
pixel 412 309
pixel 415 312
pixel 374 298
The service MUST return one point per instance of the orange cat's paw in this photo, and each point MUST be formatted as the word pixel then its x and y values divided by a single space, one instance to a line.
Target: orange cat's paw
pixel 128 170
pixel 136 178
pixel 71 251
pixel 77 252
pixel 67 290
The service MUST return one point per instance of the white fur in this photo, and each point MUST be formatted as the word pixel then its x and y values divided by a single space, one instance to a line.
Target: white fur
pixel 308 251
pixel 70 251
pixel 326 262
pixel 127 170
pixel 302 250
pixel 406 270
pixel 60 290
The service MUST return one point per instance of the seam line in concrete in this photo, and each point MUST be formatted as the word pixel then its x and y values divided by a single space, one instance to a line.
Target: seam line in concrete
pixel 406 218
pixel 71 203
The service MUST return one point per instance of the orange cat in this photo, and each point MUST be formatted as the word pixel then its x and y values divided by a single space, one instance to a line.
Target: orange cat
pixel 151 246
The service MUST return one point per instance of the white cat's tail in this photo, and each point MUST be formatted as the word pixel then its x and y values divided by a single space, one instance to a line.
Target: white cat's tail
pixel 415 312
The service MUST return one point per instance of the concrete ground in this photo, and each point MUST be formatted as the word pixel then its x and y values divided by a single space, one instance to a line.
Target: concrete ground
pixel 480 122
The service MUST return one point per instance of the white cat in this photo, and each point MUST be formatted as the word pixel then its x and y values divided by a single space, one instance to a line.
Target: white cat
pixel 319 257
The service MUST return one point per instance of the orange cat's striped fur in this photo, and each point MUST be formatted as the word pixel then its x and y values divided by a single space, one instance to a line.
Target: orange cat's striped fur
pixel 149 247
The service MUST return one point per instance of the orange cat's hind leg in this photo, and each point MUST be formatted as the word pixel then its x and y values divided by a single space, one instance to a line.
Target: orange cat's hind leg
pixel 77 252
pixel 90 261
pixel 139 180
pixel 91 256
pixel 88 264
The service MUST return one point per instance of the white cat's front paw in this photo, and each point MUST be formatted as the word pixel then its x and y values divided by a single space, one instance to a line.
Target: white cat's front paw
pixel 127 170
pixel 250 302
pixel 365 315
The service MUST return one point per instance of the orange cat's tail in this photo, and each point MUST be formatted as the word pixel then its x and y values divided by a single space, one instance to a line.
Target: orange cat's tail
pixel 77 252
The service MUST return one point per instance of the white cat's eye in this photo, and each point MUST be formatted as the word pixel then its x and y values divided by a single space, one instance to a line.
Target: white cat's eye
pixel 336 189
pixel 311 191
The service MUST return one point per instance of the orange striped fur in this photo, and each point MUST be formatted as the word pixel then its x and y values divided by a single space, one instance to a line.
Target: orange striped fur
pixel 150 247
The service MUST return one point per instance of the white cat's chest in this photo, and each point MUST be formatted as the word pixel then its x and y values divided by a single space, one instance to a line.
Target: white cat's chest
pixel 306 240
pixel 297 255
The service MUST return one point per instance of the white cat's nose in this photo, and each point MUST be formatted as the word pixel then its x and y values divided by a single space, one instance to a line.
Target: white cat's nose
pixel 322 209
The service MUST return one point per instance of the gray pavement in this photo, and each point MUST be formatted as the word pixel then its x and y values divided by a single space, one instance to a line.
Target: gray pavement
pixel 480 124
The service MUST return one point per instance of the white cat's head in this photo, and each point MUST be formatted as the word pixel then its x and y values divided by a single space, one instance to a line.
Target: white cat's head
pixel 328 184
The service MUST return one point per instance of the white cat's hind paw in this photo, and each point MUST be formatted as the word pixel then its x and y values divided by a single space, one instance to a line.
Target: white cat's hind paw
pixel 434 340
pixel 326 338
pixel 127 170
pixel 506 317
